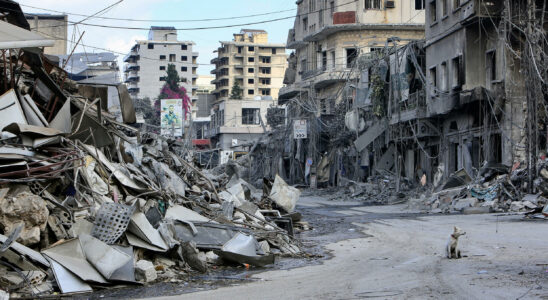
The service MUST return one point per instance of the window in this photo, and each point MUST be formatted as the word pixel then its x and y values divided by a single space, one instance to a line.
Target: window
pixel 304 67
pixel 320 17
pixel 250 92
pixel 250 59
pixel 456 4
pixel 250 70
pixel 240 49
pixel 183 69
pixel 444 7
pixel 305 24
pixel 163 78
pixel 444 77
pixel 162 57
pixel 351 55
pixel 324 60
pixel 419 4
pixel 183 79
pixel 332 7
pixel 250 48
pixel 265 81
pixel 376 49
pixel 184 58
pixel 265 60
pixel 150 46
pixel 250 81
pixel 433 15
pixel 311 5
pixel 491 64
pixel 265 70
pixel 433 78
pixel 162 68
pixel 273 50
pixel 250 116
pixel 265 92
pixel 457 72
pixel 184 47
pixel 372 4
pixel 172 57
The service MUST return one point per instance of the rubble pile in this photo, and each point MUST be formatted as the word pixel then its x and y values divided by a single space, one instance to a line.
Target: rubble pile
pixel 87 200
pixel 496 188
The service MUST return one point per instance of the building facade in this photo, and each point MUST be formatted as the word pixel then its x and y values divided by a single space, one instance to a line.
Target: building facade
pixel 146 65
pixel 81 66
pixel 257 67
pixel 51 26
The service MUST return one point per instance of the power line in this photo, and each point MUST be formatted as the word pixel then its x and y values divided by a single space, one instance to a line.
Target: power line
pixel 160 20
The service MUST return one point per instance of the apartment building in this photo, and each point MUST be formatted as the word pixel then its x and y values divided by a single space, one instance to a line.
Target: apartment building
pixel 51 26
pixel 146 65
pixel 328 36
pixel 258 68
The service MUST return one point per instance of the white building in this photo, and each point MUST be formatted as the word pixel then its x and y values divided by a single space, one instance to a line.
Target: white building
pixel 146 65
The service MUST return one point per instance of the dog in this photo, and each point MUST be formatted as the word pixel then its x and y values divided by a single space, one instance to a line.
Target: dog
pixel 451 249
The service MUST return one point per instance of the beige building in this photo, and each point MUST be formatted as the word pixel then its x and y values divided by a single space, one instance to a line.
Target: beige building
pixel 328 36
pixel 257 66
pixel 51 26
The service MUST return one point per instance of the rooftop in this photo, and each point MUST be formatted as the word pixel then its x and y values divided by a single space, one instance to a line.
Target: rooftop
pixel 162 28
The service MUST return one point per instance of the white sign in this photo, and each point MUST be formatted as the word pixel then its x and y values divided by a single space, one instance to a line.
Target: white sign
pixel 299 129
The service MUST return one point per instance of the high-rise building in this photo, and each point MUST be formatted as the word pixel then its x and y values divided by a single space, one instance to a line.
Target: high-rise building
pixel 146 65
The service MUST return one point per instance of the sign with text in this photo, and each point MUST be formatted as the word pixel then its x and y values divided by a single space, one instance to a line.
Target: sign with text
pixel 299 129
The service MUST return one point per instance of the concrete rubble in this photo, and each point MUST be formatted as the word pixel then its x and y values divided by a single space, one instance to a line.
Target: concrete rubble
pixel 86 199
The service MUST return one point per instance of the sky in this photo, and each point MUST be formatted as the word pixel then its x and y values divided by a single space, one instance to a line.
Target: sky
pixel 121 40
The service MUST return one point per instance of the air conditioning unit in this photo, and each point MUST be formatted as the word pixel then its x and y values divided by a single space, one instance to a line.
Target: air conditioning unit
pixel 390 4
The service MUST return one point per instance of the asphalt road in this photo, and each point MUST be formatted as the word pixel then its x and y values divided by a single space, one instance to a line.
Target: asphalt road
pixel 390 253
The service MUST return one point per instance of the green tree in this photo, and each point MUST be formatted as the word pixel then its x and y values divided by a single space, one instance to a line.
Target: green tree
pixel 237 91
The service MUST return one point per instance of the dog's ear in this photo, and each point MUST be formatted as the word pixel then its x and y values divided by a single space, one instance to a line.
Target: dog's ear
pixel 455 228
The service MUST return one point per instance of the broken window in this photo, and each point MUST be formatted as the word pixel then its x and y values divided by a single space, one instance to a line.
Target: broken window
pixel 183 69
pixel 172 57
pixel 303 65
pixel 305 24
pixel 444 77
pixel 324 60
pixel 240 49
pixel 333 59
pixel 433 78
pixel 163 78
pixel 250 92
pixel 273 50
pixel 151 46
pixel 250 116
pixel 184 58
pixel 372 4
pixel 457 71
pixel 491 64
pixel 433 14
pixel 162 68
pixel 351 54
pixel 162 57
pixel 419 4
pixel 183 47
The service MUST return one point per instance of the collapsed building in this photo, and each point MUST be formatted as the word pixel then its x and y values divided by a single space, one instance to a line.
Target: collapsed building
pixel 470 96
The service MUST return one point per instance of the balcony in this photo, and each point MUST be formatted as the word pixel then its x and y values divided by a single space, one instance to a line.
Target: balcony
pixel 131 56
pixel 414 107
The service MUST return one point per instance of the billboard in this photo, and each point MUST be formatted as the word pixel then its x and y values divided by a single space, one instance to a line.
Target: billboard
pixel 299 129
pixel 172 117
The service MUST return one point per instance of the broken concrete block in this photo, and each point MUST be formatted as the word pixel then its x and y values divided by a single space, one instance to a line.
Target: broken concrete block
pixel 211 257
pixel 466 202
pixel 145 271
pixel 516 206
pixel 284 195
pixel 265 247
pixel 4 295
pixel 28 209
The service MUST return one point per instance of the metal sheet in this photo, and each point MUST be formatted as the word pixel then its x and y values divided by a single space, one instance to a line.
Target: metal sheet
pixel 23 250
pixel 257 260
pixel 71 255
pixel 207 235
pixel 31 130
pixel 126 272
pixel 33 114
pixel 111 221
pixel 104 258
pixel 62 121
pixel 181 213
pixel 241 244
pixel 67 281
pixel 10 111
pixel 135 241
pixel 140 226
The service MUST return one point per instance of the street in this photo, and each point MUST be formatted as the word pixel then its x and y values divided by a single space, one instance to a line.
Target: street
pixel 399 255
